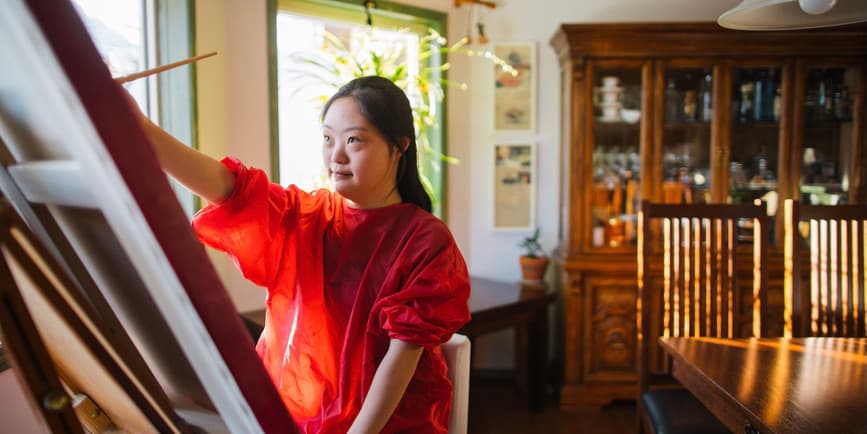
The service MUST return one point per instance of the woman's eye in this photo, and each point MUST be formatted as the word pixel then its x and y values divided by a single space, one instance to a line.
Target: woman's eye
pixel 352 140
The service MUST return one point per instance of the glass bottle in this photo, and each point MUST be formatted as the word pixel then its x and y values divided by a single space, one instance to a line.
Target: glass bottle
pixel 778 101
pixel 822 101
pixel 672 101
pixel 706 98
pixel 745 112
pixel 843 104
pixel 764 90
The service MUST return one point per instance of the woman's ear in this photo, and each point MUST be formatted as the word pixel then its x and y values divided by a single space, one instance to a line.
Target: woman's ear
pixel 403 144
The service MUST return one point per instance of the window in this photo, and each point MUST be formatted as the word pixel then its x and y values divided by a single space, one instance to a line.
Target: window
pixel 307 33
pixel 132 35
pixel 119 30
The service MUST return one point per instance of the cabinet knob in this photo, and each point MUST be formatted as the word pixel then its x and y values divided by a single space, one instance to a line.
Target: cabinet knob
pixel 616 340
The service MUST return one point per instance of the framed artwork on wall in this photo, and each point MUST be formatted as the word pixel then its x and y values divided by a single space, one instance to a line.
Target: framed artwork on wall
pixel 514 186
pixel 515 93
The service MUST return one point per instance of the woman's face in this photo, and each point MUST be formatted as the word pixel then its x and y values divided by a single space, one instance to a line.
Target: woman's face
pixel 361 165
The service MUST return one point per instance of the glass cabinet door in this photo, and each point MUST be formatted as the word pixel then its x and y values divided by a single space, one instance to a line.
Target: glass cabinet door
pixel 827 139
pixel 687 114
pixel 755 130
pixel 616 161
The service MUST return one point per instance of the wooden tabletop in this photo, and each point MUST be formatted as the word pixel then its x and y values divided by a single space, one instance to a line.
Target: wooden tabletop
pixel 486 294
pixel 810 385
pixel 496 305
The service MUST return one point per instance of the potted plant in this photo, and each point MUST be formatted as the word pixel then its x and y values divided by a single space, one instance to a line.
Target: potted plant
pixel 533 261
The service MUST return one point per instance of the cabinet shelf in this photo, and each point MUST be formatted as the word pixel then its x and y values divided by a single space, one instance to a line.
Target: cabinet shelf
pixel 825 124
pixel 615 125
pixel 756 124
pixel 686 125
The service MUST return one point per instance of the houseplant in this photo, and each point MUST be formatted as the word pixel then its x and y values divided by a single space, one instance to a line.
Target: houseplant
pixel 534 262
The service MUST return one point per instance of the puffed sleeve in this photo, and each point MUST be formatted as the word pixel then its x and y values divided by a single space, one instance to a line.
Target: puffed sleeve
pixel 432 303
pixel 247 225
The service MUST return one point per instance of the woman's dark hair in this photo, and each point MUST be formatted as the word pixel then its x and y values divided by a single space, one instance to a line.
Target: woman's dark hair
pixel 387 108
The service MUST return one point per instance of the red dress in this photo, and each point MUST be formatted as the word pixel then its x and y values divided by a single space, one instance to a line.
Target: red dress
pixel 341 282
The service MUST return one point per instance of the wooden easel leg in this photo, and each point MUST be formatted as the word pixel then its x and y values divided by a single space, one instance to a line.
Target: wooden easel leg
pixel 18 243
pixel 29 357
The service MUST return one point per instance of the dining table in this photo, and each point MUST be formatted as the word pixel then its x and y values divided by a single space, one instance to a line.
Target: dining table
pixel 776 385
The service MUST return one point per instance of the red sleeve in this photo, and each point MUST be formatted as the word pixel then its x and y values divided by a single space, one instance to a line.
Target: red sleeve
pixel 249 225
pixel 432 305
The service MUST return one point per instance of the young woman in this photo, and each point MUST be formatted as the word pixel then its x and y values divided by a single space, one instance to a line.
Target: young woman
pixel 363 283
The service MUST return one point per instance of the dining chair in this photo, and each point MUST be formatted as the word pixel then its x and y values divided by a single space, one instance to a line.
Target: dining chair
pixel 701 273
pixel 456 352
pixel 825 282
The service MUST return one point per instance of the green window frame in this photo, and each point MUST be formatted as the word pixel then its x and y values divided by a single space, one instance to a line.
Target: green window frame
pixel 385 14
pixel 176 89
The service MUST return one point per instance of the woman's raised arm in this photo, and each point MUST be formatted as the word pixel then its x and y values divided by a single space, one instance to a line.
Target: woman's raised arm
pixel 198 172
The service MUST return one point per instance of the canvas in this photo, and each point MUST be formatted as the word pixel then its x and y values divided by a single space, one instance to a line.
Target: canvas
pixel 80 171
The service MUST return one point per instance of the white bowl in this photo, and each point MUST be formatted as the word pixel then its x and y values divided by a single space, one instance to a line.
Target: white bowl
pixel 630 116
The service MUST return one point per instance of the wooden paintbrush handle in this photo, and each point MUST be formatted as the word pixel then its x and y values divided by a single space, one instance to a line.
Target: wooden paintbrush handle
pixel 158 69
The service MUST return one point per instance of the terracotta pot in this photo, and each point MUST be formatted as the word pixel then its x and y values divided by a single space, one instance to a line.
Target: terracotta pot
pixel 533 269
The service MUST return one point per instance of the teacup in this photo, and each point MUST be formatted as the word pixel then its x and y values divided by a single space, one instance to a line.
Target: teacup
pixel 610 81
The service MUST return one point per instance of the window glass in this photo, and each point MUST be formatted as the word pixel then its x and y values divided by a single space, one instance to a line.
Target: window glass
pixel 117 27
pixel 306 78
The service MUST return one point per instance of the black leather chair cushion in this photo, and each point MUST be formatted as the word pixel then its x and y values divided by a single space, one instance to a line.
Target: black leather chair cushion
pixel 676 411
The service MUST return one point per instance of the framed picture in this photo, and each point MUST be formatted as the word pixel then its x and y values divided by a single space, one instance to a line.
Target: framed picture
pixel 515 95
pixel 514 186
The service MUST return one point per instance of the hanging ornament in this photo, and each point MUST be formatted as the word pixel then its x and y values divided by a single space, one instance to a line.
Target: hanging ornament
pixel 483 39
pixel 368 5
pixel 473 15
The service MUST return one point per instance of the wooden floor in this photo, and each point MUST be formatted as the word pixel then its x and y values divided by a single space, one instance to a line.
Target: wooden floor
pixel 496 407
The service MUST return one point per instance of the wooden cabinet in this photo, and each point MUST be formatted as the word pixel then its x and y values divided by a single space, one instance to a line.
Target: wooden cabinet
pixel 689 113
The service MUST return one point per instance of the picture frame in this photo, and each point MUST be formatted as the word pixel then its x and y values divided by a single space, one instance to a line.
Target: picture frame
pixel 515 95
pixel 514 193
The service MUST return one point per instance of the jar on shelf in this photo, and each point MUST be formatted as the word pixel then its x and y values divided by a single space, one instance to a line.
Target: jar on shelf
pixel 689 105
pixel 737 176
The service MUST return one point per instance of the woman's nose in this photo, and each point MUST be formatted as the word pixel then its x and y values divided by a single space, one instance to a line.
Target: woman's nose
pixel 338 154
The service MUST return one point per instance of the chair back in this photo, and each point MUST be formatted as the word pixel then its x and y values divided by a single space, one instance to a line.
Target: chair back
pixel 457 354
pixel 691 278
pixel 826 270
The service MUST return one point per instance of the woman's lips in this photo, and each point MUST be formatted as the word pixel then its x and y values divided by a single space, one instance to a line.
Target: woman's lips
pixel 341 174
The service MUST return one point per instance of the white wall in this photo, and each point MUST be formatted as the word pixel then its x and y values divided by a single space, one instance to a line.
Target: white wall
pixel 233 115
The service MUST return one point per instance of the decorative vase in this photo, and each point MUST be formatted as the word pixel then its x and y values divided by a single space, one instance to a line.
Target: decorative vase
pixel 533 269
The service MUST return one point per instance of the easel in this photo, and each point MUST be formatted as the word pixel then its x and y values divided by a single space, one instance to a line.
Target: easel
pixel 24 258
pixel 98 242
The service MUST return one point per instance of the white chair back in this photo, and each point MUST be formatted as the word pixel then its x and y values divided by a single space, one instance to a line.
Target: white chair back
pixel 457 354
